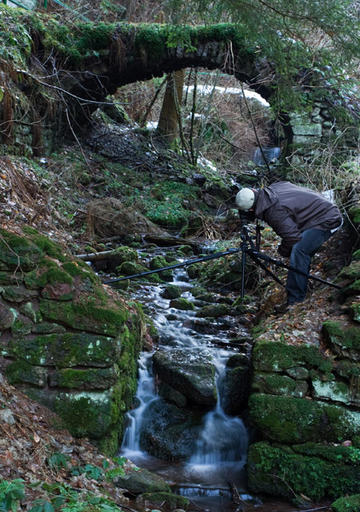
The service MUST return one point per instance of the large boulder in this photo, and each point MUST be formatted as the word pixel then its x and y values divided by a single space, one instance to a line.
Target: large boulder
pixel 192 373
pixel 168 432
pixel 290 420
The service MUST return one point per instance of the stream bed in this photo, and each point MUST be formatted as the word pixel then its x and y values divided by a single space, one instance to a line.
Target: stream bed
pixel 202 455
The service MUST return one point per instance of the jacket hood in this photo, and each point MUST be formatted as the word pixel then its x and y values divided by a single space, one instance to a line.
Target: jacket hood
pixel 266 198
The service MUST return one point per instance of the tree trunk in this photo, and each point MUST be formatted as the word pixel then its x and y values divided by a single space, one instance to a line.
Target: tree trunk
pixel 168 126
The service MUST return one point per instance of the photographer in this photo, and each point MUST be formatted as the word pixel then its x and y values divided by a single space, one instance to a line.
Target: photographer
pixel 302 218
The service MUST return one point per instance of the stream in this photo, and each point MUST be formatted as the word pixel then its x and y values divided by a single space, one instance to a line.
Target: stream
pixel 212 472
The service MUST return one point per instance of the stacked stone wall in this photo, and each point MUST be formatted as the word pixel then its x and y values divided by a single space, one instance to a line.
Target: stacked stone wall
pixel 63 340
pixel 305 405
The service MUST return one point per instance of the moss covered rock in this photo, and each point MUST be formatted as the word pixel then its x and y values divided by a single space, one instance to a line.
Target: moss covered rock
pixel 171 291
pixel 91 379
pixel 337 391
pixel 140 481
pixel 280 471
pixel 89 413
pixel 214 311
pixel 343 340
pixel 182 303
pixel 18 252
pixel 21 372
pixel 276 384
pixel 297 420
pixel 85 315
pixel 347 504
pixel 279 357
pixel 66 350
pixel 160 499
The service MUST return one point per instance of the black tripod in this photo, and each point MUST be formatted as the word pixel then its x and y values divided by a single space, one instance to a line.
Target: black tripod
pixel 247 247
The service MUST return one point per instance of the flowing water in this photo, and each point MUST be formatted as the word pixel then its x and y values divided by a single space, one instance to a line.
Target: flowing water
pixel 217 466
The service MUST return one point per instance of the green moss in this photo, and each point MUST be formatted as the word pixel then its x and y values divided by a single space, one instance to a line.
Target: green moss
pixel 354 213
pixel 76 269
pixel 276 384
pixel 281 472
pixel 20 372
pixel 17 251
pixel 85 414
pixel 355 309
pixel 341 454
pixel 352 271
pixel 128 268
pixel 214 311
pixel 165 204
pixel 182 303
pixel 343 337
pixel 347 504
pixel 85 315
pixel 45 244
pixel 356 255
pixel 15 36
pixel 277 357
pixel 90 379
pixel 298 420
pixel 66 350
pixel 173 501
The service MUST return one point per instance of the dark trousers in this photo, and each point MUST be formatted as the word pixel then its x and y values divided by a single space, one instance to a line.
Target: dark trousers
pixel 300 259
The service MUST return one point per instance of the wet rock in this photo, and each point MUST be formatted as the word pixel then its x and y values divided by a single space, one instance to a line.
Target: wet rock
pixel 168 432
pixel 235 389
pixel 183 304
pixel 190 373
pixel 141 480
pixel 171 291
pixel 214 311
pixel 172 395
pixel 161 499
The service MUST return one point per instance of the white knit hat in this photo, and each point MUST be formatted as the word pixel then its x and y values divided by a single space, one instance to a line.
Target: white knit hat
pixel 245 199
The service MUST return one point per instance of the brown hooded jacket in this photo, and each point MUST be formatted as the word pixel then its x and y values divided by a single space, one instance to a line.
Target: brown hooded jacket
pixel 290 210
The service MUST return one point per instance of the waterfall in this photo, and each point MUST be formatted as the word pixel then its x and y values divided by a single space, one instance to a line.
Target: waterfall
pixel 221 447
pixel 222 444
pixel 145 395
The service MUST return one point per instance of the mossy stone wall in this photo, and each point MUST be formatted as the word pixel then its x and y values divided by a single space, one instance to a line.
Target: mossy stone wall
pixel 63 340
pixel 304 405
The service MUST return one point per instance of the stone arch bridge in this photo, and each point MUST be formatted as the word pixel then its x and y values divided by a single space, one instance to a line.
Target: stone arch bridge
pixel 72 72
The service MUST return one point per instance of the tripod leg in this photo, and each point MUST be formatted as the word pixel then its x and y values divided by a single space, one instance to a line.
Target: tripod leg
pixel 243 266
pixel 258 262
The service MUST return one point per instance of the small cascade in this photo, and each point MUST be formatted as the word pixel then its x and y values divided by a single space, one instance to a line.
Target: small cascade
pixel 145 395
pixel 220 449
pixel 222 444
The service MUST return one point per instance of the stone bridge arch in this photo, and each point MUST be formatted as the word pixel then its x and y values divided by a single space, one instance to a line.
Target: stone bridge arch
pixel 95 60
